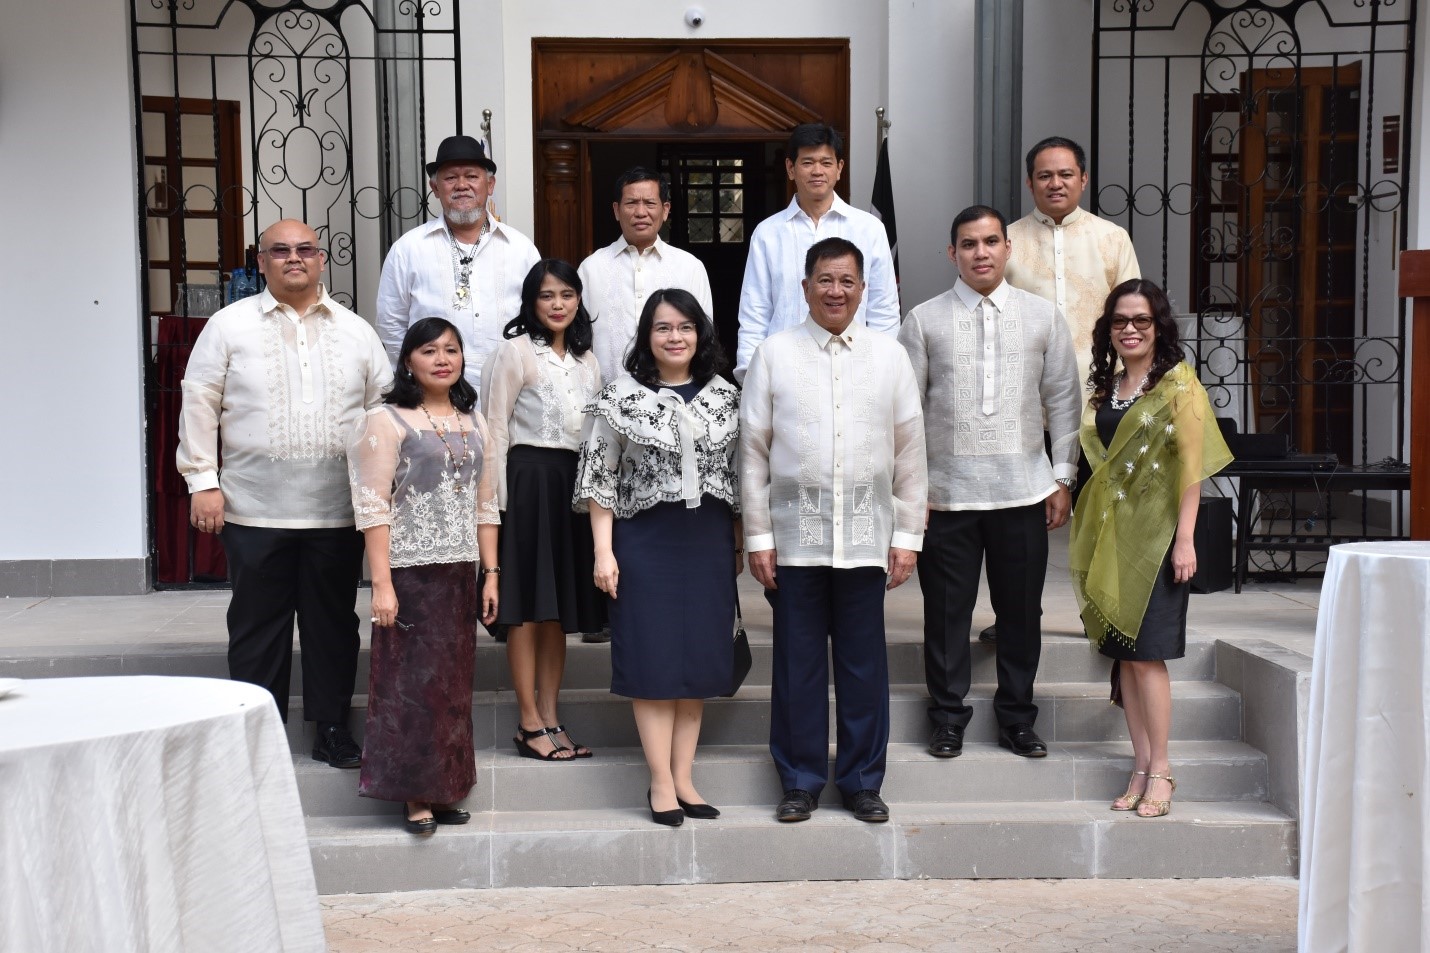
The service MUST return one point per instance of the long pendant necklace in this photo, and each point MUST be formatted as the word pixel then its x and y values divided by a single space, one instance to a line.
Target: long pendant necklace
pixel 441 433
pixel 1120 404
pixel 462 265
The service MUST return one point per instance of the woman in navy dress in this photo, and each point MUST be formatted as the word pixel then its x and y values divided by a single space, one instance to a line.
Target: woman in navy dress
pixel 658 473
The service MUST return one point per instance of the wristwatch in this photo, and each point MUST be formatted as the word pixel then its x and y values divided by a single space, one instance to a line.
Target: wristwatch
pixel 1067 482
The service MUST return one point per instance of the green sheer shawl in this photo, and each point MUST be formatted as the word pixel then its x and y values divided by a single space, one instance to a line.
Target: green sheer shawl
pixel 1127 513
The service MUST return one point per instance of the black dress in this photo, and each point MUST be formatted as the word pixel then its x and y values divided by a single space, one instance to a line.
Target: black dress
pixel 672 623
pixel 1164 625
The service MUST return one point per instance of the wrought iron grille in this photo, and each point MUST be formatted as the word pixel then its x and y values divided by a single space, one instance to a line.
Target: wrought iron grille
pixel 253 111
pixel 1258 148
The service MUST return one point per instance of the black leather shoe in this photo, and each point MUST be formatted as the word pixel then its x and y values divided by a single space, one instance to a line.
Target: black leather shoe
pixel 703 812
pixel 796 805
pixel 597 638
pixel 423 826
pixel 867 806
pixel 669 818
pixel 450 815
pixel 1022 740
pixel 989 635
pixel 947 741
pixel 336 746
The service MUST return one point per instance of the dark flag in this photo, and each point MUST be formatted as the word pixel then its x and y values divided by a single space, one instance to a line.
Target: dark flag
pixel 882 202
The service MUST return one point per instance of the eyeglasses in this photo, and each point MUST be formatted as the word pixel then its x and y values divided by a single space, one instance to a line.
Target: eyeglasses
pixel 284 252
pixel 683 329
pixel 1142 322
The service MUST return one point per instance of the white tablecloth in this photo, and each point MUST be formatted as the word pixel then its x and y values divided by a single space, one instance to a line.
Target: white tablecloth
pixel 150 814
pixel 1365 800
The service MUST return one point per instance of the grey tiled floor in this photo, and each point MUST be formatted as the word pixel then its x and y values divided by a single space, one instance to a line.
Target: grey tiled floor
pixel 951 916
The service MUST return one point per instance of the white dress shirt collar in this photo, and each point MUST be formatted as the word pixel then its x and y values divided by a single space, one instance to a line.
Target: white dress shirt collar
pixel 839 208
pixel 656 248
pixel 1070 218
pixel 323 307
pixel 548 353
pixel 972 299
pixel 822 336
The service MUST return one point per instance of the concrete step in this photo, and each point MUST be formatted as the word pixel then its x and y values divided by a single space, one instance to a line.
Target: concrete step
pixel 997 839
pixel 743 775
pixel 1068 711
pixel 1064 659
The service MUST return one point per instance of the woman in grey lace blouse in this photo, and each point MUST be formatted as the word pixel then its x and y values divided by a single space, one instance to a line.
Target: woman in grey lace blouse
pixel 658 474
pixel 426 502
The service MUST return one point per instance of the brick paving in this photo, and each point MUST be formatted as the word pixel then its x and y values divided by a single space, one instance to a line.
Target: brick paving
pixel 949 916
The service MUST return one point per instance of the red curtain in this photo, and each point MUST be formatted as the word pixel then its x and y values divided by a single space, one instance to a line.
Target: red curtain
pixel 184 555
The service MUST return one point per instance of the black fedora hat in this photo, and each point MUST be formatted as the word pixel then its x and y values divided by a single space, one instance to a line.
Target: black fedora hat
pixel 461 149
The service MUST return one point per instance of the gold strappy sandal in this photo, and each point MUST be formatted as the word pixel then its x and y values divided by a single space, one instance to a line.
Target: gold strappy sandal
pixel 1161 808
pixel 1130 800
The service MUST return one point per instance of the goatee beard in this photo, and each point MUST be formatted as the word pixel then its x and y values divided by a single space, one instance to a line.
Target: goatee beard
pixel 469 216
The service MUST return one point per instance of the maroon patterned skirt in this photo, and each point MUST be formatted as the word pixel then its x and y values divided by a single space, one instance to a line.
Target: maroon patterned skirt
pixel 419 713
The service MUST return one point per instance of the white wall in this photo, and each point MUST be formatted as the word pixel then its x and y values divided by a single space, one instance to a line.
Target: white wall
pixel 72 386
pixel 932 152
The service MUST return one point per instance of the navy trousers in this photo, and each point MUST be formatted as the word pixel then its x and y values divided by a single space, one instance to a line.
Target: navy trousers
pixel 1016 543
pixel 816 609
pixel 278 574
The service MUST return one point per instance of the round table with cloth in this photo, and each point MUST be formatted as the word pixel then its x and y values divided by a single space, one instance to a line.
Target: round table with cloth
pixel 149 813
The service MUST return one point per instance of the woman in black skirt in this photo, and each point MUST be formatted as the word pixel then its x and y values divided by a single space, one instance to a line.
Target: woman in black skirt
pixel 424 495
pixel 658 473
pixel 1151 437
pixel 535 386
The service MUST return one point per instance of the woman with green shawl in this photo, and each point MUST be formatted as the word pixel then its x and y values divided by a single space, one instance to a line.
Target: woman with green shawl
pixel 1150 435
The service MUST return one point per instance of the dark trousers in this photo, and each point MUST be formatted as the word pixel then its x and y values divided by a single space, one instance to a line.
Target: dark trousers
pixel 1016 543
pixel 277 574
pixel 816 608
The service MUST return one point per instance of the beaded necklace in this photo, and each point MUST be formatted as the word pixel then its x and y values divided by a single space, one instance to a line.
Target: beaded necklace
pixel 462 265
pixel 1120 404
pixel 441 433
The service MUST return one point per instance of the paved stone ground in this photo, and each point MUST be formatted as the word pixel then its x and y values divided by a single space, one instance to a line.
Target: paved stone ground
pixel 949 916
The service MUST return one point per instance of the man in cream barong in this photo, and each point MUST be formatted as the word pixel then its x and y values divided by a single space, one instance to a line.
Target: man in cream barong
pixel 992 363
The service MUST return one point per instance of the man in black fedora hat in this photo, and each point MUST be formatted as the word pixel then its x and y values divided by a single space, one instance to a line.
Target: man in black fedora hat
pixel 463 265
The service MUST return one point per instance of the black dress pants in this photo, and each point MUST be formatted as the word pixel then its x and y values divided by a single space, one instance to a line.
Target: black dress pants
pixel 277 574
pixel 1015 541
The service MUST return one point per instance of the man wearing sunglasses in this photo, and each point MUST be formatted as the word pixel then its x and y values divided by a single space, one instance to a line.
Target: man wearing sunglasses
pixel 280 380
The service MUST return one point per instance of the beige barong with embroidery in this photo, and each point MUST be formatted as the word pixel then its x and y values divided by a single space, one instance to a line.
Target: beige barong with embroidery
pixel 832 460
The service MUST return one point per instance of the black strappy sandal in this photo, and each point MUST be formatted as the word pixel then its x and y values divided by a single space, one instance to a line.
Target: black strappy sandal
pixel 581 751
pixel 524 748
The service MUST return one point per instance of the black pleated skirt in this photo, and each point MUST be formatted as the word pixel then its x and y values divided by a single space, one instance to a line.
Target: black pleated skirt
pixel 547 555
pixel 1163 634
pixel 673 618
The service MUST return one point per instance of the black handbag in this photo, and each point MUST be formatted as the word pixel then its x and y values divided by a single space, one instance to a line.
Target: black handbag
pixel 741 647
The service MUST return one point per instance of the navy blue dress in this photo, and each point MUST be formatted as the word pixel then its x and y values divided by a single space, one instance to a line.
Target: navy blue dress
pixel 672 622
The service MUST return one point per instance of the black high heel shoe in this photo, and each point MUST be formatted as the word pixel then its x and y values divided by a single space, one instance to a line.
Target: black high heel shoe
pixel 704 812
pixel 669 818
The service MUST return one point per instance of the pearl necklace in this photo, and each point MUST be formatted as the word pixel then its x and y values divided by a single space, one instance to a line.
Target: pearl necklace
pixel 441 433
pixel 665 383
pixel 1120 404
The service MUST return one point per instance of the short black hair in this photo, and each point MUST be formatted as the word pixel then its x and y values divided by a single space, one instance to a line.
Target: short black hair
pixel 578 332
pixel 639 173
pixel 812 135
pixel 1058 142
pixel 827 249
pixel 406 392
pixel 709 358
pixel 972 214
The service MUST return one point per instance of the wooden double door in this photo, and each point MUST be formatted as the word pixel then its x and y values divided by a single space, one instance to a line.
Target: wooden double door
pixel 713 117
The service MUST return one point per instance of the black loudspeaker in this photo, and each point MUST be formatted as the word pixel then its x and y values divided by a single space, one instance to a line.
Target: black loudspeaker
pixel 1212 539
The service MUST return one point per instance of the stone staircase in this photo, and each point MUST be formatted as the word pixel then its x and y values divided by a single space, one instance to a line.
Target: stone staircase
pixel 985 814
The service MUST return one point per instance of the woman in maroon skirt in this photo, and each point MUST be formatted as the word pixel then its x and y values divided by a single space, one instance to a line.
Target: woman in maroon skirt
pixel 428 511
